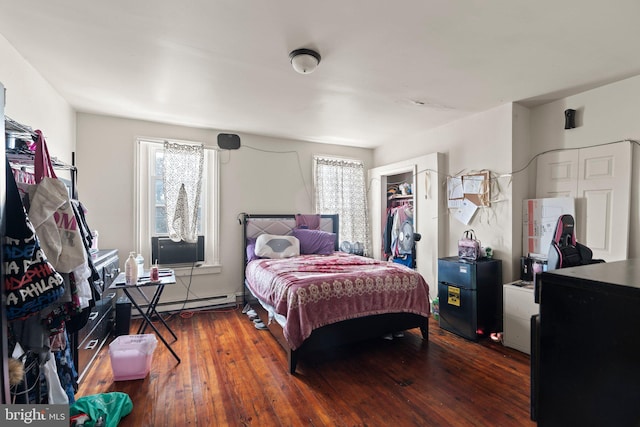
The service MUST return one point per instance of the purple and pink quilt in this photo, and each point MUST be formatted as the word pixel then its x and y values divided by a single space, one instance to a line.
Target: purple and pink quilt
pixel 312 291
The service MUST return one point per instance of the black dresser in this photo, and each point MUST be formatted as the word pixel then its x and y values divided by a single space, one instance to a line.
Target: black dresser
pixel 585 346
pixel 88 341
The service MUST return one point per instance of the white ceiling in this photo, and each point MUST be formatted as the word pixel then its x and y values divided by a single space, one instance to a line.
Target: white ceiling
pixel 389 68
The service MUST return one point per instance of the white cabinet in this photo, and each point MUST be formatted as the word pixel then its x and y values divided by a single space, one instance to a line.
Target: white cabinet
pixel 519 305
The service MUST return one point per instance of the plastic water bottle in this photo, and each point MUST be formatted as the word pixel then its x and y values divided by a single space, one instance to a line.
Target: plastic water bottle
pixel 131 270
pixel 140 264
pixel 435 307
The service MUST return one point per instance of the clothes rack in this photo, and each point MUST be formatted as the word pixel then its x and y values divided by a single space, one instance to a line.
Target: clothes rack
pixel 20 156
pixel 18 151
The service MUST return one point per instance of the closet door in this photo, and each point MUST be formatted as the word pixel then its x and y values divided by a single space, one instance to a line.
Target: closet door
pixel 557 174
pixel 600 180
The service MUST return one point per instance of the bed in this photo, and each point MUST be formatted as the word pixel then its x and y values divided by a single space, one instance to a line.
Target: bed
pixel 321 297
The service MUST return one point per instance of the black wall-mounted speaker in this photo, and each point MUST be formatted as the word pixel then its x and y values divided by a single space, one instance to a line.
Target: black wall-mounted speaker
pixel 569 119
pixel 228 141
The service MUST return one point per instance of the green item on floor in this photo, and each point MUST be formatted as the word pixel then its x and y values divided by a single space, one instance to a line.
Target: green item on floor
pixel 104 409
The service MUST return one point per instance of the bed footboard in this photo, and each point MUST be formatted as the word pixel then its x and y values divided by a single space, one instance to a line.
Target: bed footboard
pixel 355 330
pixel 345 332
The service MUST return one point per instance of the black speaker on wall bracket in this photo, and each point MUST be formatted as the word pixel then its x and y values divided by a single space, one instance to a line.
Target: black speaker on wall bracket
pixel 228 141
pixel 569 118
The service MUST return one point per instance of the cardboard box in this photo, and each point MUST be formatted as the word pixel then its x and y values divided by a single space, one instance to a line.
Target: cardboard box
pixel 539 218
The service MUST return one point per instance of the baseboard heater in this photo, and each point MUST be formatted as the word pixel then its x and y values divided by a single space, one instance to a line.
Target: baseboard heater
pixel 168 252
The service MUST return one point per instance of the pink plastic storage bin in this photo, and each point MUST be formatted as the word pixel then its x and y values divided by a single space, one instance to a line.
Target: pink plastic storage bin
pixel 131 356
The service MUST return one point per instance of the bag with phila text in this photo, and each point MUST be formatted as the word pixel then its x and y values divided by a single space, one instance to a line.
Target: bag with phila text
pixel 52 215
pixel 469 246
pixel 30 281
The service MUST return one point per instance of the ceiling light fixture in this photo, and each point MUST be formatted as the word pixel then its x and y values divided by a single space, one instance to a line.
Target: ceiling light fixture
pixel 304 61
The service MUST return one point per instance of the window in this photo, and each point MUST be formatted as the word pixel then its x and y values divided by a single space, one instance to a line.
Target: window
pixel 341 189
pixel 159 219
pixel 151 206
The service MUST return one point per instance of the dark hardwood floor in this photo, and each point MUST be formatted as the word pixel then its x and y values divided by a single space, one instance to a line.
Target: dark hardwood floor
pixel 235 375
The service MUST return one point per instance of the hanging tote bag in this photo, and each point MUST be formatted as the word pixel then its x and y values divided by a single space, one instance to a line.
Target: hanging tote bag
pixel 31 283
pixel 52 215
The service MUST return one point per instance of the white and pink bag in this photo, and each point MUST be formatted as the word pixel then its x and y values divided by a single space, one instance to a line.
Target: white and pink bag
pixel 469 246
pixel 52 215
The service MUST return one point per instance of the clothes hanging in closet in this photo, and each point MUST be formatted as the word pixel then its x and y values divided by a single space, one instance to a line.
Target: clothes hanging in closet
pixel 399 219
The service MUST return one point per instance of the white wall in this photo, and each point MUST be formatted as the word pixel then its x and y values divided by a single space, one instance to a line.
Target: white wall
pixel 606 114
pixel 506 138
pixel 522 180
pixel 252 181
pixel 499 139
pixel 481 141
pixel 273 177
pixel 32 101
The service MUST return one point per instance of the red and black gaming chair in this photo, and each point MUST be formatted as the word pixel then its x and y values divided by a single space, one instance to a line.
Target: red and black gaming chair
pixel 564 250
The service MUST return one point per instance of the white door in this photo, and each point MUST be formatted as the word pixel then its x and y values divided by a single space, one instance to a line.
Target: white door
pixel 557 174
pixel 602 188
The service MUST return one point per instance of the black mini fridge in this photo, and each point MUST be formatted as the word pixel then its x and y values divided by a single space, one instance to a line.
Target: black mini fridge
pixel 470 296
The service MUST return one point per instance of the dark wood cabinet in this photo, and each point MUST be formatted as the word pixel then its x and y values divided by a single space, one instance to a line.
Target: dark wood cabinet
pixel 88 341
pixel 585 346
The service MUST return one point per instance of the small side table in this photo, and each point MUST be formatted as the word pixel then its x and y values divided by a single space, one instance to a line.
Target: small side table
pixel 518 305
pixel 167 277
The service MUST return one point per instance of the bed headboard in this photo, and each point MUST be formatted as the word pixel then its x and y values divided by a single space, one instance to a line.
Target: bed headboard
pixel 282 224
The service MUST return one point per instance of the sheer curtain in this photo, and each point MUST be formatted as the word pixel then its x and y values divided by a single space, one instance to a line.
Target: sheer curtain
pixel 341 188
pixel 183 164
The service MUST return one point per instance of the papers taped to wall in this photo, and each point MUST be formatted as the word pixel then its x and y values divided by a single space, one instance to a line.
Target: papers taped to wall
pixel 465 212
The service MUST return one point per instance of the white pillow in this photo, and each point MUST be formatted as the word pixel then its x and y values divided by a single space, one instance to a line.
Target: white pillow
pixel 273 246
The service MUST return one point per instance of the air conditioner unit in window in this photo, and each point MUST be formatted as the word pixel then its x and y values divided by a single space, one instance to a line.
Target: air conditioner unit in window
pixel 168 252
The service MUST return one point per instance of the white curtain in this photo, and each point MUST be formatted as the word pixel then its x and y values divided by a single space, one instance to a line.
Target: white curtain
pixel 182 179
pixel 341 188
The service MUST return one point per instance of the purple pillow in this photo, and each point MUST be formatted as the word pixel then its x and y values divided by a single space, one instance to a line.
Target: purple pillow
pixel 251 249
pixel 315 241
